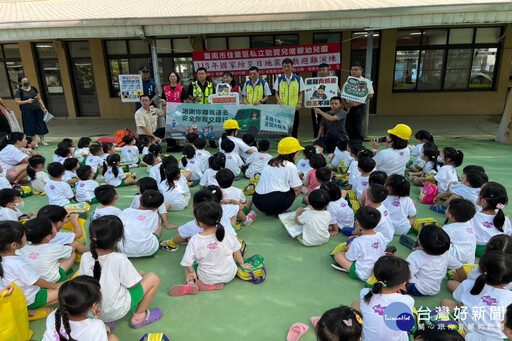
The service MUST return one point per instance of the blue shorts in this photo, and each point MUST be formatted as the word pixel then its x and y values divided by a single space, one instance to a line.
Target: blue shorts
pixel 412 290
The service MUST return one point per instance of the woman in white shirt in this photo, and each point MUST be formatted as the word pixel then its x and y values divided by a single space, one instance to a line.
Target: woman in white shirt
pixel 13 161
pixel 396 156
pixel 279 183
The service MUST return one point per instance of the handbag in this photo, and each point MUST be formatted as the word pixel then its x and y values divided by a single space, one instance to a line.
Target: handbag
pixel 13 309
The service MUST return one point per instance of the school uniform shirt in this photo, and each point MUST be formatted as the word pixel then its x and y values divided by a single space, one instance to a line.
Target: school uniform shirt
pixel 234 162
pixel 58 192
pixel 94 162
pixel 468 193
pixel 84 190
pixel 44 259
pixel 489 297
pixel 172 196
pixel 10 156
pixel 228 212
pixel 63 237
pixel 374 326
pixel 113 180
pixel 215 263
pixel 59 159
pixel 182 186
pixel 353 171
pixel 417 154
pixel 463 241
pixel 130 154
pixel 341 213
pixel 400 209
pixel 209 178
pixel 428 169
pixel 68 175
pixel 40 181
pixel 316 227
pixel 145 150
pixel 90 329
pixel 341 156
pixel 17 270
pixel 278 179
pixel 475 273
pixel 136 204
pixel 154 173
pixel 392 161
pixel 444 176
pixel 256 163
pixel 108 210
pixel 81 153
pixel 428 271
pixel 240 145
pixel 483 225
pixel 385 226
pixel 246 155
pixel 117 275
pixel 9 214
pixel 139 226
pixel 365 250
pixel 233 193
pixel 194 166
pixel 202 157
pixel 303 166
pixel 359 184
pixel 4 183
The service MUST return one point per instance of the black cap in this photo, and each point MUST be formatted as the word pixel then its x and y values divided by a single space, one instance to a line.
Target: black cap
pixel 144 68
pixel 321 87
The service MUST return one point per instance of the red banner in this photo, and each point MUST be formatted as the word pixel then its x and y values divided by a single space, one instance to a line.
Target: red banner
pixel 306 58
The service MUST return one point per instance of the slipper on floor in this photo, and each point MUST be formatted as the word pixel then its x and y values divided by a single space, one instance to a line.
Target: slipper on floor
pixel 207 287
pixel 408 242
pixel 151 316
pixel 39 314
pixel 314 320
pixel 186 289
pixel 297 330
pixel 438 208
pixel 338 267
pixel 111 325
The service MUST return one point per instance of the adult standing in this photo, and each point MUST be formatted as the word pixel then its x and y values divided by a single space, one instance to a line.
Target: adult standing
pixel 32 109
pixel 356 118
pixel 173 93
pixel 12 160
pixel 323 71
pixel 256 91
pixel 332 125
pixel 200 90
pixel 148 85
pixel 290 91
pixel 279 183
pixel 396 156
pixel 146 120
pixel 4 122
pixel 227 77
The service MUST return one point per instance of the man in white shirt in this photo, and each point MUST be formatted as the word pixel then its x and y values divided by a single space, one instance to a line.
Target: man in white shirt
pixel 146 119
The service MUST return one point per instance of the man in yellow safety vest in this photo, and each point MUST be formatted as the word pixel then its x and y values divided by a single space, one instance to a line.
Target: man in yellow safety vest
pixel 256 91
pixel 290 91
pixel 199 91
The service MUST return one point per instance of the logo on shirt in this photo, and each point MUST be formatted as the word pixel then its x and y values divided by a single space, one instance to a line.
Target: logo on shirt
pixel 261 158
pixel 192 162
pixel 33 255
pixel 488 224
pixel 52 187
pixel 82 185
pixel 379 309
pixel 364 183
pixel 401 153
pixel 303 164
pixel 386 213
pixel 395 203
pixel 129 151
pixel 109 172
pixel 343 204
pixel 398 317
pixel 469 230
pixel 230 157
pixel 376 245
pixel 212 246
pixel 490 300
pixel 141 218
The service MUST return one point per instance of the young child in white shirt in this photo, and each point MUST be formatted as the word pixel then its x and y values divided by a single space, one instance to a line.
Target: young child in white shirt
pixel 315 219
pixel 38 292
pixel 357 151
pixel 145 143
pixel 10 204
pixel 429 156
pixel 430 261
pixel 452 158
pixel 376 195
pixel 303 166
pixel 359 257
pixel 95 160
pixel 365 166
pixel 225 178
pixel 114 174
pixel 256 161
pixel 190 163
pixel 250 140
pixel 82 152
pixel 468 188
pixel 142 226
pixel 392 274
pixel 130 152
pixel 419 163
pixel 231 131
pixel 402 209
pixel 78 298
pixel 487 294
pixel 216 162
pixel 107 197
pixel 174 200
pixel 341 156
pixel 108 149
pixel 38 178
pixel 491 220
pixel 59 192
pixel 61 154
pixel 71 165
pixel 50 261
pixel 342 323
pixel 341 213
pixel 462 236
pixel 215 252
pixel 143 185
pixel 122 286
pixel 84 189
pixel 151 161
pixel 4 183
pixel 202 155
pixel 233 160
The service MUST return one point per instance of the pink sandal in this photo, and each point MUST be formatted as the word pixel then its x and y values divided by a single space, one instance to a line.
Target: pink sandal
pixel 186 289
pixel 297 330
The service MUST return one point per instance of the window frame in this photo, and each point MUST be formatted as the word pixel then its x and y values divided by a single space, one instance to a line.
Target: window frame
pixel 446 48
pixel 4 60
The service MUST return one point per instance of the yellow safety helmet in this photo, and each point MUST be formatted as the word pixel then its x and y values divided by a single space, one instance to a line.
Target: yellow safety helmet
pixel 403 131
pixel 231 124
pixel 289 145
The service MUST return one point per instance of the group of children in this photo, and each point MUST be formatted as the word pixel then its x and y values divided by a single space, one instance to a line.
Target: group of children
pixel 342 192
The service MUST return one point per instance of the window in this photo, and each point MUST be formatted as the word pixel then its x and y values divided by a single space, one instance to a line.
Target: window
pixel 10 69
pixel 446 59
pixel 274 40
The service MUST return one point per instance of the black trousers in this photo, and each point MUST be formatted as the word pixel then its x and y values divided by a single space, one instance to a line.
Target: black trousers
pixel 274 202
pixel 295 128
pixel 356 123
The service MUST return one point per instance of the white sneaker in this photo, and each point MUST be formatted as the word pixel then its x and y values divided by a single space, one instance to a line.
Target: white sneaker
pixel 44 143
pixel 133 166
pixel 251 217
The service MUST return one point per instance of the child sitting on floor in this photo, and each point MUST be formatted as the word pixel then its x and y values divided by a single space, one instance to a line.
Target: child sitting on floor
pixel 59 192
pixel 216 162
pixel 202 155
pixel 108 149
pixel 82 152
pixel 250 140
pixel 233 160
pixel 310 182
pixel 419 163
pixel 402 209
pixel 341 213
pixel 215 252
pixel 303 166
pixel 84 189
pixel 95 160
pixel 189 162
pixel 143 185
pixel 151 160
pixel 114 174
pixel 38 178
pixel 174 200
pixel 225 178
pixel 61 154
pixel 130 152
pixel 10 203
pixel 376 177
pixel 429 170
pixel 315 219
pixel 70 166
pixel 256 161
pixel 360 255
pixel 341 156
pixel 123 288
pixel 107 197
pixel 462 236
pixel 451 158
pixel 361 182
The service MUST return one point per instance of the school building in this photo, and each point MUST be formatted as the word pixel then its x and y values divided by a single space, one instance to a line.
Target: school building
pixel 428 57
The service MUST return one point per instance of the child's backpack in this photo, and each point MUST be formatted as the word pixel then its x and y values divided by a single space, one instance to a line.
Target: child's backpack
pixel 428 193
pixel 420 223
pixel 25 191
pixel 119 134
pixel 256 274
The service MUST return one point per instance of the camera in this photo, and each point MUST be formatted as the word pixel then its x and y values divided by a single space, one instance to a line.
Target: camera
pixel 382 139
